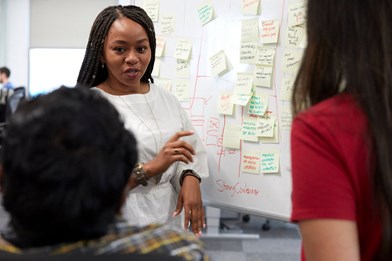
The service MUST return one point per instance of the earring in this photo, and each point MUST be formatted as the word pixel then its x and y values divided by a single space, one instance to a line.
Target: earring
pixel 103 66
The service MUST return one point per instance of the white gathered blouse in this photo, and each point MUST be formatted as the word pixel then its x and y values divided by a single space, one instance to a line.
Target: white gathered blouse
pixel 154 118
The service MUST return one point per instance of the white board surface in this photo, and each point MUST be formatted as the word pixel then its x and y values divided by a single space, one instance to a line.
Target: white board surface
pixel 264 194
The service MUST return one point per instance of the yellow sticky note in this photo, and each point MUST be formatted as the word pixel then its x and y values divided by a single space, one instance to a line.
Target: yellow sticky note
pixel 263 76
pixel 218 63
pixel 181 90
pixel 258 104
pixel 168 24
pixel 157 68
pixel 244 83
pixel 270 31
pixel 160 46
pixel 182 69
pixel 265 56
pixel 270 162
pixel 249 129
pixel 291 60
pixel 240 99
pixel 231 136
pixel 296 36
pixel 296 13
pixel 266 126
pixel 183 49
pixel 152 9
pixel 286 117
pixel 286 89
pixel 248 53
pixel 224 104
pixel 250 30
pixel 250 162
pixel 250 7
pixel 205 12
pixel 164 83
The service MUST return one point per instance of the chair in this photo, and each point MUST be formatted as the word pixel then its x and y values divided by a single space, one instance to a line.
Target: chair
pixel 16 97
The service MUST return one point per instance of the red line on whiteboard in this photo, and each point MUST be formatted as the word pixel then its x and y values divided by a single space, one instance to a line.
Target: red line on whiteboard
pixel 223 133
pixel 242 122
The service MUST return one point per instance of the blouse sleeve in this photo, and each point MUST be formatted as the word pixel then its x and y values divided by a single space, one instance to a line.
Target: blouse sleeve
pixel 200 163
pixel 321 184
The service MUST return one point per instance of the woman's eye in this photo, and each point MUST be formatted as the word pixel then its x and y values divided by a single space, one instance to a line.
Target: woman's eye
pixel 119 49
pixel 142 49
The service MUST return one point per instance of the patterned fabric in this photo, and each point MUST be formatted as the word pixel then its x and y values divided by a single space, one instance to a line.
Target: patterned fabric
pixel 168 240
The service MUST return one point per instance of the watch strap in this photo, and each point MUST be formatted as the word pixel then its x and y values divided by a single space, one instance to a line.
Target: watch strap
pixel 140 174
pixel 189 172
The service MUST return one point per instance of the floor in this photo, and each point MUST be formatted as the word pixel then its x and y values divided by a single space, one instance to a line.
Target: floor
pixel 281 242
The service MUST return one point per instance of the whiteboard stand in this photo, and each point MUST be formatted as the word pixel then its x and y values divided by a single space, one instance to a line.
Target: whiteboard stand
pixel 213 216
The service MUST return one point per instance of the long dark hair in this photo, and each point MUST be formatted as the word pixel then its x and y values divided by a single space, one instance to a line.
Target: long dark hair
pixel 92 72
pixel 350 46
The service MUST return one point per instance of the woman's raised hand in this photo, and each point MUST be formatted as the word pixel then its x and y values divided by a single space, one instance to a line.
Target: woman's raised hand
pixel 174 150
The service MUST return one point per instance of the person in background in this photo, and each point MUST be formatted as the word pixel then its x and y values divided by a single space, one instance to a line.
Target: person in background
pixel 5 92
pixel 5 74
pixel 341 143
pixel 118 62
pixel 65 174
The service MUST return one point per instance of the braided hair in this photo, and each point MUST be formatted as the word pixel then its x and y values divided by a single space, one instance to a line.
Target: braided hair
pixel 92 72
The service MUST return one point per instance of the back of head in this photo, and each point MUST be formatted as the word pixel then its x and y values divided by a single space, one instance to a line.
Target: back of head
pixel 349 47
pixel 92 72
pixel 66 159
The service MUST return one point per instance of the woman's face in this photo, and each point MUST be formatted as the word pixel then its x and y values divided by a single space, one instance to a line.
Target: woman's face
pixel 126 52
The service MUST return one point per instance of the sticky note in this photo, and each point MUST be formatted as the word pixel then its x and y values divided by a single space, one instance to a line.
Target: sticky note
pixel 250 162
pixel 218 64
pixel 205 12
pixel 269 162
pixel 168 24
pixel 291 60
pixel 248 53
pixel 249 126
pixel 250 30
pixel 182 69
pixel 224 104
pixel 263 76
pixel 160 46
pixel 270 31
pixel 231 136
pixel 265 56
pixel 152 9
pixel 181 90
pixel 183 49
pixel 258 104
pixel 296 14
pixel 244 83
pixel 250 7
pixel 157 68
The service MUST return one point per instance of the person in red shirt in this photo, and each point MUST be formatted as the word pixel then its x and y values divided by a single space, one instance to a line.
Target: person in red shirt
pixel 341 145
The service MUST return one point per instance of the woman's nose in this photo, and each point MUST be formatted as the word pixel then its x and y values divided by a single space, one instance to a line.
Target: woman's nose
pixel 132 57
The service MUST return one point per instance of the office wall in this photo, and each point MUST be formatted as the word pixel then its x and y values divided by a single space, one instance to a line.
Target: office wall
pixel 17 32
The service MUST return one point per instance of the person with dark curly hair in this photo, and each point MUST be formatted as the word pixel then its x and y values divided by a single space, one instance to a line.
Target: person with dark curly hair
pixel 65 175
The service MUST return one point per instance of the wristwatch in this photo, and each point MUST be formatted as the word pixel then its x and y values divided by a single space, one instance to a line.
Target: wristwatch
pixel 140 174
pixel 189 172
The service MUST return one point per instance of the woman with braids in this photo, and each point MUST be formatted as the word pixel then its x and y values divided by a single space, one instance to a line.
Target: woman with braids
pixel 118 63
pixel 341 143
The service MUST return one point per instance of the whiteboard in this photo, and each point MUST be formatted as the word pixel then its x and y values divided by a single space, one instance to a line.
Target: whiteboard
pixel 264 194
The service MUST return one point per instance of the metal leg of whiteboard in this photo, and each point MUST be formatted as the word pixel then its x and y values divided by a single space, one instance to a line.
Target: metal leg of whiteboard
pixel 213 216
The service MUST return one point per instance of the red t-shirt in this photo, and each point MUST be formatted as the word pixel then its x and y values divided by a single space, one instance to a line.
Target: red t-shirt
pixel 329 154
